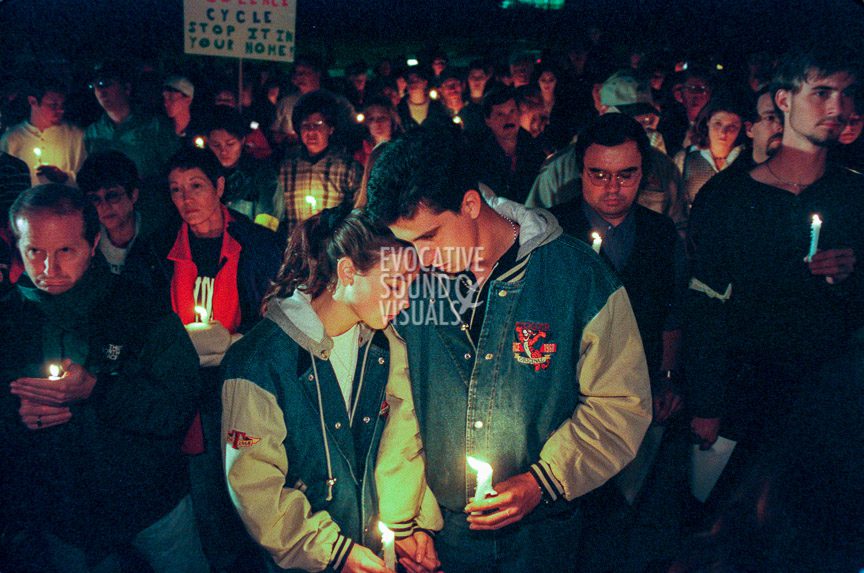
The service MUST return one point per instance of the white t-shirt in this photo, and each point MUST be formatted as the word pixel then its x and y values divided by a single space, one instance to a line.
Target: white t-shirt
pixel 343 359
pixel 116 256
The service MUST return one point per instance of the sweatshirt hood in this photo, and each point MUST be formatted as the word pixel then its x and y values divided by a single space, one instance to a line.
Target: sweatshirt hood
pixel 537 227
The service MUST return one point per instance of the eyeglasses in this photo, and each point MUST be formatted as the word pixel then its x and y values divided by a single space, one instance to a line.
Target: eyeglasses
pixel 626 178
pixel 319 125
pixel 696 89
pixel 111 198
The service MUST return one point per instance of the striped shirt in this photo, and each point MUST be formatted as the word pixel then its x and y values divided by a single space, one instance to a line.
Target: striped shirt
pixel 308 185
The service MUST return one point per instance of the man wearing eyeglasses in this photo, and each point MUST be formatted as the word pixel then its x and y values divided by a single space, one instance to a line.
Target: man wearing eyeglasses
pixel 644 250
pixel 53 149
pixel 109 181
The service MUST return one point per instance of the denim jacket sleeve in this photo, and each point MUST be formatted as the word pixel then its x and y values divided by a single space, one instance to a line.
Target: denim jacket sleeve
pixel 405 501
pixel 606 429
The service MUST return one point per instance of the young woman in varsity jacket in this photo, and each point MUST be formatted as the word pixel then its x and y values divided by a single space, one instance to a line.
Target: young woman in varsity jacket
pixel 303 395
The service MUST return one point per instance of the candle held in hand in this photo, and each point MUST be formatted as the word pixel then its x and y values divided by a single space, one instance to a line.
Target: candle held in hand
pixel 202 314
pixel 55 372
pixel 484 478
pixel 815 228
pixel 596 242
pixel 388 546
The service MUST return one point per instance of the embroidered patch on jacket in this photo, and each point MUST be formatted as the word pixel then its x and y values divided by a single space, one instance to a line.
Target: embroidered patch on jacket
pixel 531 346
pixel 385 409
pixel 112 351
pixel 239 439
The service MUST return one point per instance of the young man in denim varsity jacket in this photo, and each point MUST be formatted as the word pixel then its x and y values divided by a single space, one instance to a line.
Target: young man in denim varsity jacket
pixel 536 368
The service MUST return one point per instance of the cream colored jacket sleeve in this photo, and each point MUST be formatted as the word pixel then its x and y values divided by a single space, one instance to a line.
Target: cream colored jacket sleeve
pixel 405 501
pixel 607 428
pixel 279 518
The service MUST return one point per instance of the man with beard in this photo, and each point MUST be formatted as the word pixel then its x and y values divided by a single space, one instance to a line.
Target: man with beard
pixel 763 314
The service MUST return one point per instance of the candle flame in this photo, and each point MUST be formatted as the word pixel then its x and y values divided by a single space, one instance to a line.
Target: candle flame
pixel 203 315
pixel 253 125
pixel 387 536
pixel 54 370
pixel 433 94
pixel 360 118
pixel 311 200
pixel 199 142
pixel 596 236
pixel 817 220
pixel 482 468
pixel 37 151
pixel 457 120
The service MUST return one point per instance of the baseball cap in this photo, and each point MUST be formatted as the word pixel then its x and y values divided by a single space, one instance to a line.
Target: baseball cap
pixel 625 93
pixel 180 84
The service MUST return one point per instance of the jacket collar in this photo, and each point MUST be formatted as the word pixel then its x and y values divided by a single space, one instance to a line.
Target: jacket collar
pixel 537 227
pixel 181 251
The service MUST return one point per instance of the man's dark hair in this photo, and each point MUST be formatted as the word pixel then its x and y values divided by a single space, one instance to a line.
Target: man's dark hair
pixel 820 61
pixel 38 87
pixel 426 166
pixel 192 157
pixel 55 199
pixel 108 169
pixel 315 102
pixel 611 130
pixel 228 119
pixel 497 96
pixel 751 113
pixel 309 61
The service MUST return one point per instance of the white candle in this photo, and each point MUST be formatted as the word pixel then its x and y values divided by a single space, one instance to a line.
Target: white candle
pixel 37 151
pixel 597 242
pixel 815 227
pixel 388 547
pixel 202 314
pixel 484 479
pixel 55 372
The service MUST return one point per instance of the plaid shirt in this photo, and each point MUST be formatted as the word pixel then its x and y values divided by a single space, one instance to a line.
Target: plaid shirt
pixel 309 186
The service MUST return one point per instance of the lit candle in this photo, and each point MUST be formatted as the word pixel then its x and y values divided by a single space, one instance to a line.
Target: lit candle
pixel 312 202
pixel 596 242
pixel 199 142
pixel 37 151
pixel 433 93
pixel 360 118
pixel 388 547
pixel 253 125
pixel 55 372
pixel 815 227
pixel 484 479
pixel 457 120
pixel 202 314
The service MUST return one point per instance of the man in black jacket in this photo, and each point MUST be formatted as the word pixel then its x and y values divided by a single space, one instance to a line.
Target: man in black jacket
pixel 92 452
pixel 644 249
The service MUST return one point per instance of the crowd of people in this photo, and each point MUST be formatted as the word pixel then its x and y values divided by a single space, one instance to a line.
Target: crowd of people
pixel 269 329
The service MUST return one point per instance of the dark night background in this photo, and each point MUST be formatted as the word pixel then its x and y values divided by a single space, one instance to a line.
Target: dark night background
pixel 84 30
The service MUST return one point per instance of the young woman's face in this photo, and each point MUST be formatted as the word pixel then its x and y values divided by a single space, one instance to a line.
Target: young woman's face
pixel 379 123
pixel 379 294
pixel 226 146
pixel 723 130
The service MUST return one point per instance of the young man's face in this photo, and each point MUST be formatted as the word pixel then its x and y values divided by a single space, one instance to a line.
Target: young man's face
pixel 504 120
pixel 315 133
pixel 116 206
pixel 175 102
pixel 49 110
pixel 444 241
pixel 306 79
pixel 610 179
pixel 111 94
pixel 451 90
pixel 767 133
pixel 694 95
pixel 820 109
pixel 55 253
pixel 477 81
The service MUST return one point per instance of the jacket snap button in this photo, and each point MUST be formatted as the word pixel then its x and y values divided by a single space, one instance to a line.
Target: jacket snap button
pixel 502 293
pixel 467 356
pixel 311 378
pixel 478 424
pixel 337 425
pixel 366 419
pixel 381 360
pixel 489 356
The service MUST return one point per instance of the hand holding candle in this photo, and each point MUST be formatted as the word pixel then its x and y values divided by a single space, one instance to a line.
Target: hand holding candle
pixel 388 546
pixel 55 372
pixel 596 242
pixel 37 151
